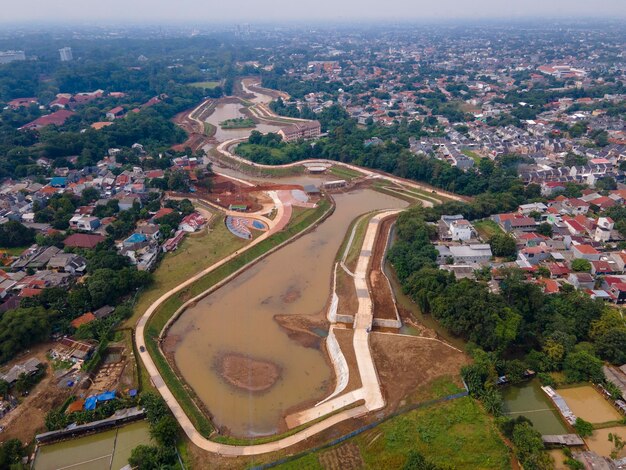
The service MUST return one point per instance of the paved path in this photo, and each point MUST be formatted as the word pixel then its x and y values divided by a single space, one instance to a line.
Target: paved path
pixel 370 386
pixel 224 149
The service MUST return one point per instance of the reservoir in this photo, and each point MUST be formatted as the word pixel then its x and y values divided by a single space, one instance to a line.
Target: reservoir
pixel 224 111
pixel 237 322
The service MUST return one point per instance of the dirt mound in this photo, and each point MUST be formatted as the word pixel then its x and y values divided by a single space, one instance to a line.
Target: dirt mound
pixel 300 328
pixel 291 295
pixel 246 373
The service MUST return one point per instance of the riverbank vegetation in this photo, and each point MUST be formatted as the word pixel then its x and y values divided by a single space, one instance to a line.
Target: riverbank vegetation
pixel 494 185
pixel 238 123
pixel 508 332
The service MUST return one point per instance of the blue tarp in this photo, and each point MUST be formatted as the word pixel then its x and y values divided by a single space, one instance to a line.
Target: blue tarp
pixel 106 396
pixel 133 393
pixel 90 403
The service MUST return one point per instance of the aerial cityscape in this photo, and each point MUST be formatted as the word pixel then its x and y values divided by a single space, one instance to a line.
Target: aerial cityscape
pixel 382 238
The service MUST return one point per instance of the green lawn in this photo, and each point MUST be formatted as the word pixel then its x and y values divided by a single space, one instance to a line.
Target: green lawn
pixel 344 173
pixel 487 228
pixel 14 251
pixel 208 84
pixel 357 242
pixel 473 155
pixel 237 123
pixel 458 433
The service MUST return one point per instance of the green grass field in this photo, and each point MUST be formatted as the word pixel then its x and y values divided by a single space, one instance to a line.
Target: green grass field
pixel 192 256
pixel 344 173
pixel 207 85
pixel 13 251
pixel 473 155
pixel 458 433
pixel 357 242
pixel 487 228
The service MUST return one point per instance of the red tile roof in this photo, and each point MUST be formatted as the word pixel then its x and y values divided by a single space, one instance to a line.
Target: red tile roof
pixel 83 319
pixel 57 118
pixel 83 240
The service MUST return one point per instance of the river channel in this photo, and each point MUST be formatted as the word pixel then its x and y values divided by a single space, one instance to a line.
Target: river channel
pixel 238 320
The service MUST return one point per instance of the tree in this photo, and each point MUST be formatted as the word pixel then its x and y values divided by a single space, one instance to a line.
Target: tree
pixel 529 447
pixel 56 419
pixel 165 431
pixel 580 366
pixel 581 265
pixel 607 183
pixel 14 234
pixel 145 457
pixel 416 461
pixel 22 327
pixel 611 346
pixel 178 181
pixel 545 229
pixel 503 245
pixel 583 428
pixel 11 453
pixel 154 405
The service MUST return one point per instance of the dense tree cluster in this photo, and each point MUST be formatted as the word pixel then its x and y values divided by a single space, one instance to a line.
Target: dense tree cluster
pixel 14 234
pixel 520 327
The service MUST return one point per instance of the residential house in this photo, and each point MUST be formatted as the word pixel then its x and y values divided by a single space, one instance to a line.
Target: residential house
pixel 83 240
pixel 586 252
pixel 581 280
pixel 191 223
pixel 68 263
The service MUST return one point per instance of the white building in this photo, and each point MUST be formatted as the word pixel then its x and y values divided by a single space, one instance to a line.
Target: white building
pixel 11 56
pixel 603 230
pixel 455 228
pixel 66 54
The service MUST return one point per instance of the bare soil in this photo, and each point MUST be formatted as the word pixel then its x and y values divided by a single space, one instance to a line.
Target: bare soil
pixel 408 363
pixel 300 328
pixel 27 419
pixel 247 373
pixel 345 339
pixel 382 297
pixel 348 302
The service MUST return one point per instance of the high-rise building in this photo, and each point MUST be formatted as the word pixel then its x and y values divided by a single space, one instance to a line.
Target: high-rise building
pixel 66 54
pixel 11 56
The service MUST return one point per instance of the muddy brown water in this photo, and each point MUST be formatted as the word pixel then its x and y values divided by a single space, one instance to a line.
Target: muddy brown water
pixel 224 111
pixel 238 318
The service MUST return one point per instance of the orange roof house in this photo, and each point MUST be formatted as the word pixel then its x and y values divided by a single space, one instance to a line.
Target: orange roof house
pixel 83 320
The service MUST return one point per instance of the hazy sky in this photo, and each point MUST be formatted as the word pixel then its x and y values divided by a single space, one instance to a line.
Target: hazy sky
pixel 270 10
